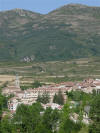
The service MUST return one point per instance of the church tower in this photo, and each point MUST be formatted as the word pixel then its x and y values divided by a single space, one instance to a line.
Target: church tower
pixel 17 82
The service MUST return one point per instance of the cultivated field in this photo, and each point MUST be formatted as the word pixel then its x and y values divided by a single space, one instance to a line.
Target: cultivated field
pixel 50 72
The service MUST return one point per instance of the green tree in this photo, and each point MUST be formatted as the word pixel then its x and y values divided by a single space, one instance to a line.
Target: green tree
pixel 95 115
pixel 44 98
pixel 36 84
pixel 70 127
pixel 50 119
pixel 39 98
pixel 66 125
pixel 27 117
pixel 3 104
pixel 58 98
pixel 55 120
pixel 7 126
pixel 40 128
pixel 55 98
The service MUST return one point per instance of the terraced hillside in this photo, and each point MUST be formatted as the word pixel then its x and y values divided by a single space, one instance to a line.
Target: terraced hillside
pixel 50 72
pixel 72 31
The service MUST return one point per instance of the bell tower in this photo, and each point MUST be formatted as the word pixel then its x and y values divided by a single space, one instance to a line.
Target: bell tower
pixel 17 82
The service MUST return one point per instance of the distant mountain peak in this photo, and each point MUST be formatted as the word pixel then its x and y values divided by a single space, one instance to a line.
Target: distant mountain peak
pixel 79 5
pixel 17 9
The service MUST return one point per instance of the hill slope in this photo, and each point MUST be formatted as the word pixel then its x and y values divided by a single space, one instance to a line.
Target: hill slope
pixel 72 31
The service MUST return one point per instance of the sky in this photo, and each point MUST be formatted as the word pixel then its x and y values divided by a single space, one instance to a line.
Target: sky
pixel 42 6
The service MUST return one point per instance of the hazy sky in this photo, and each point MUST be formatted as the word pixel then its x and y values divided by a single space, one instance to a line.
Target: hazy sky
pixel 42 6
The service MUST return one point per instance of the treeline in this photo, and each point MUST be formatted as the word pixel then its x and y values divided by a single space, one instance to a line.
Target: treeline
pixel 3 106
pixel 34 119
pixel 31 119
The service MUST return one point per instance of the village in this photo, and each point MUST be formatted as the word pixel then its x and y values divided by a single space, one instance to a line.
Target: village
pixel 30 95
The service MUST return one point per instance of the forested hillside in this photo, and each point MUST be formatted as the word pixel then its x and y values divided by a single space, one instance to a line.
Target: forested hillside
pixel 72 31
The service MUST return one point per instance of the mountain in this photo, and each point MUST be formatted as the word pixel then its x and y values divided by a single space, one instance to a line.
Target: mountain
pixel 72 31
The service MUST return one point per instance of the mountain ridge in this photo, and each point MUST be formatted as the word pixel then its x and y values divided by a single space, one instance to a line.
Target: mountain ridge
pixel 67 5
pixel 72 31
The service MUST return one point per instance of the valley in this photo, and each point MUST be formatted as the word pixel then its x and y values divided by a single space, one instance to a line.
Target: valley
pixel 50 72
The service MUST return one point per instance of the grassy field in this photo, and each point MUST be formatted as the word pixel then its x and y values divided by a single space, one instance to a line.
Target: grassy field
pixel 50 72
